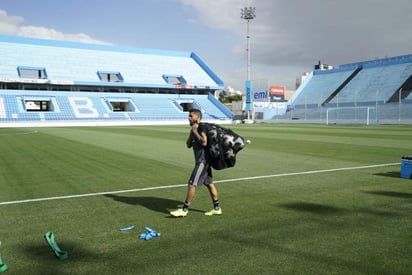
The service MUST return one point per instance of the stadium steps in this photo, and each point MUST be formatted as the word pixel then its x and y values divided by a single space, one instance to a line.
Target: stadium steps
pixel 374 83
pixel 403 92
pixel 321 86
pixel 344 83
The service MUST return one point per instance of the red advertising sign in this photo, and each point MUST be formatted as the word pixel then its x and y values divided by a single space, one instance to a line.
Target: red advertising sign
pixel 277 90
pixel 277 93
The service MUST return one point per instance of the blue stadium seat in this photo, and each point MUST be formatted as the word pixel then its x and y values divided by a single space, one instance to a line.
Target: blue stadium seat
pixel 93 106
pixel 320 87
pixel 374 84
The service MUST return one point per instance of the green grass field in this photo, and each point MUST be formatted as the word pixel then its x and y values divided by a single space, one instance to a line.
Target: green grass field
pixel 302 199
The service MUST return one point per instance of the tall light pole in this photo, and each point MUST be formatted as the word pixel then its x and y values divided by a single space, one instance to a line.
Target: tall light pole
pixel 248 13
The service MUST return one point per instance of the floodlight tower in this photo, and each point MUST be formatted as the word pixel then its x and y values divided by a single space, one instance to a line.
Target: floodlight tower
pixel 248 13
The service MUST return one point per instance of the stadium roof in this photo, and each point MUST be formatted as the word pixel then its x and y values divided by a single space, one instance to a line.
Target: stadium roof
pixel 68 63
pixel 381 62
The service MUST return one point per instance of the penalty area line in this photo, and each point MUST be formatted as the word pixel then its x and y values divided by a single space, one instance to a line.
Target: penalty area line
pixel 183 185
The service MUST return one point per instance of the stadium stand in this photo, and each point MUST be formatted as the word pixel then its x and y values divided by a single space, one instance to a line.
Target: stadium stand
pixel 322 85
pixel 376 91
pixel 47 82
pixel 374 83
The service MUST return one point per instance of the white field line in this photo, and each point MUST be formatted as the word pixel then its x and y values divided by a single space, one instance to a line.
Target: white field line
pixel 182 185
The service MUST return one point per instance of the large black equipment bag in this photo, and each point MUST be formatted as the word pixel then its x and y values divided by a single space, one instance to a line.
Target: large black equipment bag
pixel 222 146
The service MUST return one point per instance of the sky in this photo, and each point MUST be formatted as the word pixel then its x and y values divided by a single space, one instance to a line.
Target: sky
pixel 287 37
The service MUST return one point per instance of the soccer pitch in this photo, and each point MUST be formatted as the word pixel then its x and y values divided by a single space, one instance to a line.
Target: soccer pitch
pixel 302 199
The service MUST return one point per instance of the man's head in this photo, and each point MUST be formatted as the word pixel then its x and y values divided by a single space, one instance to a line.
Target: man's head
pixel 195 116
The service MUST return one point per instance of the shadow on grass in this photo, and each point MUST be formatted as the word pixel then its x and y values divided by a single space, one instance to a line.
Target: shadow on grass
pixel 327 262
pixel 46 261
pixel 391 174
pixel 313 207
pixel 330 210
pixel 378 213
pixel 156 204
pixel 393 194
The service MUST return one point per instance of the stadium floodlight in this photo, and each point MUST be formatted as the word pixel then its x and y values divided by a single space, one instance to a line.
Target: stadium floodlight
pixel 248 13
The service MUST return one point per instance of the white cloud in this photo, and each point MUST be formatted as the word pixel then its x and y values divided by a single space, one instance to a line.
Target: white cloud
pixel 9 24
pixel 297 33
pixel 13 25
pixel 217 14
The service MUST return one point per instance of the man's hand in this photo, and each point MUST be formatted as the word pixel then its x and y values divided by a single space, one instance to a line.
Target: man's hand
pixel 201 138
pixel 195 126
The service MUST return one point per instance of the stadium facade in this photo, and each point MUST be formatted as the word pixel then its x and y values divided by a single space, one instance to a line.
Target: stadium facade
pixel 57 83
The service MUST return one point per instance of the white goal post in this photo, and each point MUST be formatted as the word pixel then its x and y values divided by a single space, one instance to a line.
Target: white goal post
pixel 358 114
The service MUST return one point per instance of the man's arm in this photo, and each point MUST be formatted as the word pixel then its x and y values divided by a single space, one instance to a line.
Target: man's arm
pixel 202 138
pixel 189 140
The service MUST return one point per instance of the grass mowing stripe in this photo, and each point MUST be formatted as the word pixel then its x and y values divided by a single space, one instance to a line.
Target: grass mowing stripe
pixel 182 185
pixel 19 133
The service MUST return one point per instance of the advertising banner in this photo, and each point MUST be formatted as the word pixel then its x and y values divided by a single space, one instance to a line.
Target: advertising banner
pixel 248 95
pixel 277 93
pixel 260 95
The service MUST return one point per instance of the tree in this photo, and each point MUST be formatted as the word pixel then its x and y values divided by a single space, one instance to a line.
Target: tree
pixel 226 97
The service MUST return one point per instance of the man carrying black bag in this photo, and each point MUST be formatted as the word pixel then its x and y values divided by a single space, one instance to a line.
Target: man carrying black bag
pixel 202 172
